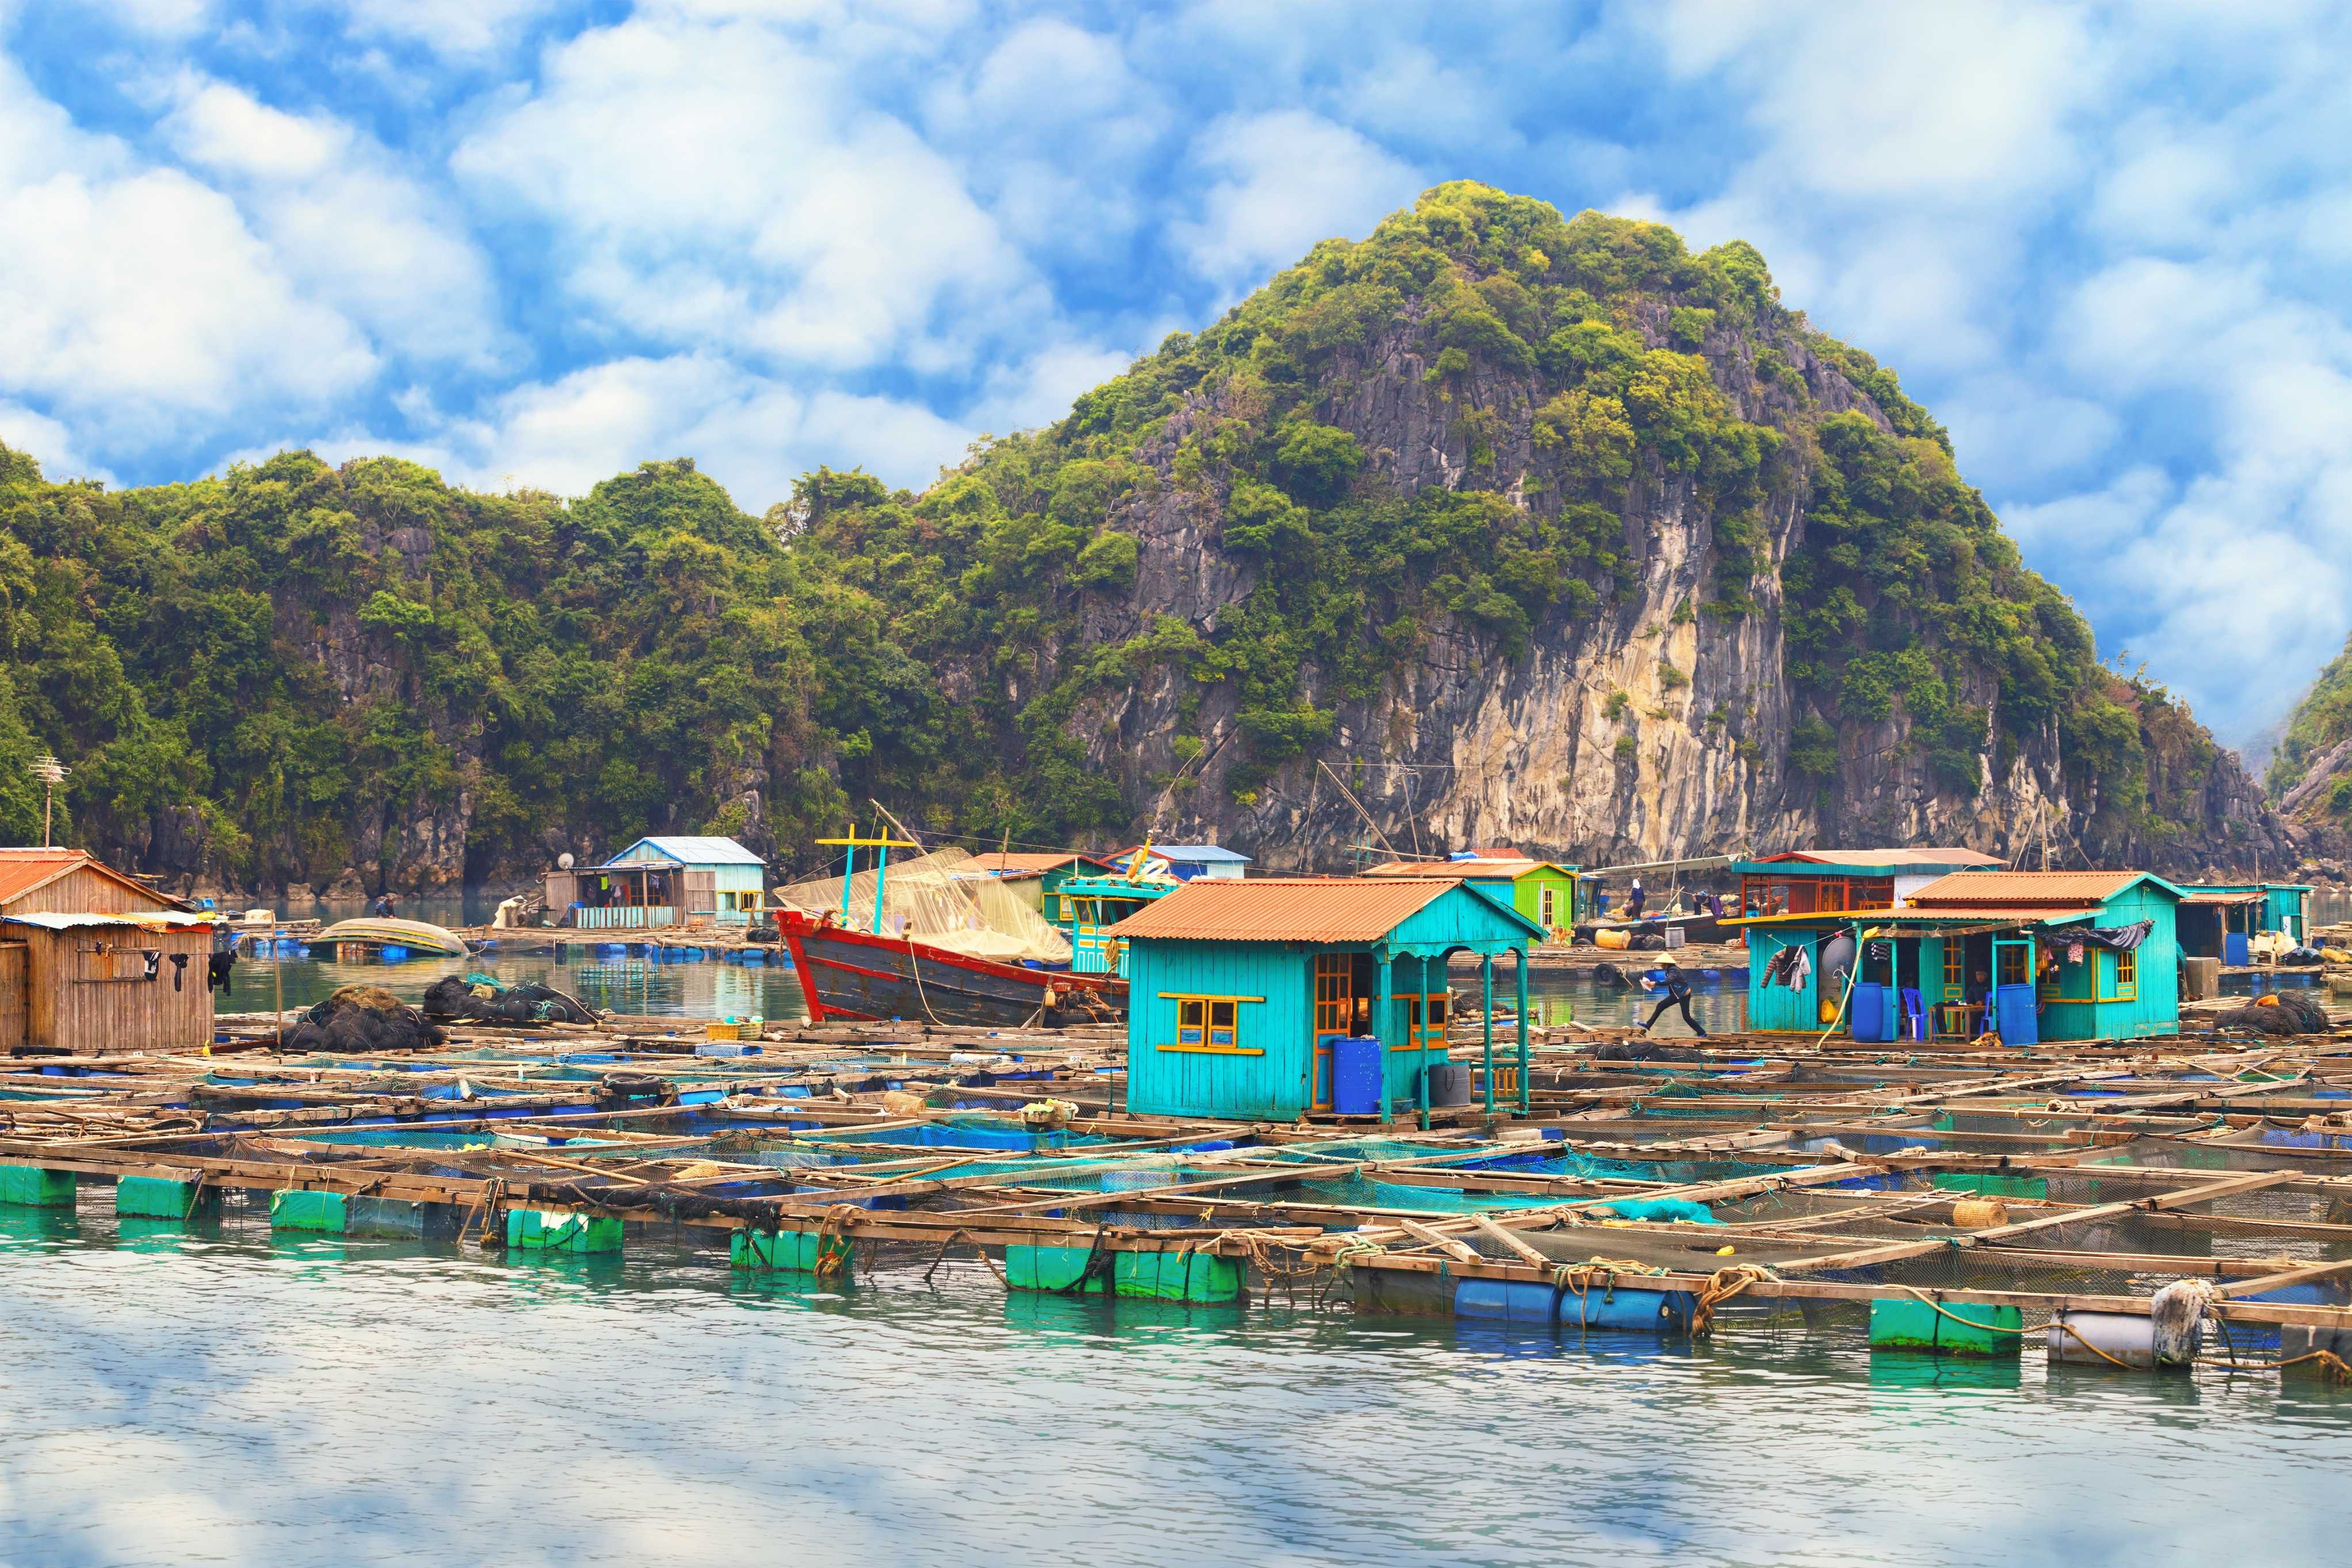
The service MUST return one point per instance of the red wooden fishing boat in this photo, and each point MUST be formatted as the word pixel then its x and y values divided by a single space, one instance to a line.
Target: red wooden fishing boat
pixel 850 974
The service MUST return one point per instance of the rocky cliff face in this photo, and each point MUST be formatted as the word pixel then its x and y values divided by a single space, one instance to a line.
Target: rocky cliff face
pixel 1652 729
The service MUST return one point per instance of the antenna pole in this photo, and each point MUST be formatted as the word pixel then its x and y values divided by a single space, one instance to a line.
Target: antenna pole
pixel 1351 799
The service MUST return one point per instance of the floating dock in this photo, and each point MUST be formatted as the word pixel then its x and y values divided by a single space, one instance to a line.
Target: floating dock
pixel 1959 1202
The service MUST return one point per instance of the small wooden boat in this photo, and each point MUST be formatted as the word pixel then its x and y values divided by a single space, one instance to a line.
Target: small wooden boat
pixel 417 936
pixel 850 974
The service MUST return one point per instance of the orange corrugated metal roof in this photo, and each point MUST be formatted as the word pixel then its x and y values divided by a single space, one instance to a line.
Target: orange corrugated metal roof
pixel 1017 862
pixel 1286 908
pixel 2224 898
pixel 2024 887
pixel 22 869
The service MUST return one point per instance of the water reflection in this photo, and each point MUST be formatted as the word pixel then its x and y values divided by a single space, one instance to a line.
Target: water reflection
pixel 232 1399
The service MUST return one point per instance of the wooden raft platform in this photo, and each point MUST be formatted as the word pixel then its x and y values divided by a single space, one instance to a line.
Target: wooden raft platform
pixel 1955 1191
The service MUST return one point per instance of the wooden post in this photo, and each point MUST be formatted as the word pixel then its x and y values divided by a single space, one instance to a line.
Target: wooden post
pixel 1520 971
pixel 1383 1007
pixel 1487 988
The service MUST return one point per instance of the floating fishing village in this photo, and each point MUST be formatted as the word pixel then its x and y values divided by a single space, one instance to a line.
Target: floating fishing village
pixel 1976 1112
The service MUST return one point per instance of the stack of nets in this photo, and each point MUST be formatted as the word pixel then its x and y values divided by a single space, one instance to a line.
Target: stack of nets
pixel 941 899
pixel 478 999
pixel 360 1019
pixel 2281 1013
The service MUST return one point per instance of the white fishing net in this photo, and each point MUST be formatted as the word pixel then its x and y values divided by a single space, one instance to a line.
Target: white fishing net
pixel 939 898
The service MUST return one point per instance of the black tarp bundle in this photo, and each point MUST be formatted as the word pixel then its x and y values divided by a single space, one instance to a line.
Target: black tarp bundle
pixel 2291 1013
pixel 478 998
pixel 358 1021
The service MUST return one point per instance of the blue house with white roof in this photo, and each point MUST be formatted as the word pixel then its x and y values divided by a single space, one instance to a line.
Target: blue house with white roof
pixel 665 880
pixel 1186 861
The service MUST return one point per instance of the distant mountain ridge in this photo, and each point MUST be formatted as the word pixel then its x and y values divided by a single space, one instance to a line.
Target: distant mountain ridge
pixel 1529 530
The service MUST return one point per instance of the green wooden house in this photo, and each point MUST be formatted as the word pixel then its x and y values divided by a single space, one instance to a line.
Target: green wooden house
pixel 2027 954
pixel 1238 988
pixel 1543 891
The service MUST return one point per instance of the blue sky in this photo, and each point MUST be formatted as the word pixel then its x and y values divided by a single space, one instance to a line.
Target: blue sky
pixel 538 243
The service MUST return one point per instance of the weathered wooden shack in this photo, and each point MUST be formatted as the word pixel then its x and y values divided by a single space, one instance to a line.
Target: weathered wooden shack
pixel 93 961
pixel 1237 989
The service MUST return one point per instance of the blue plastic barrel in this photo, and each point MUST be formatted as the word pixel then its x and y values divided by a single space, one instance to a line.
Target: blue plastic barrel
pixel 395 955
pixel 1868 1010
pixel 1358 1065
pixel 2233 951
pixel 1637 1311
pixel 1505 1301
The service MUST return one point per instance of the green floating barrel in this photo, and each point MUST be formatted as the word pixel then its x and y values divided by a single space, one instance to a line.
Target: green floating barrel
pixel 1902 1323
pixel 788 1251
pixel 1177 1276
pixel 541 1230
pixel 162 1198
pixel 35 1187
pixel 326 1212
pixel 1049 1269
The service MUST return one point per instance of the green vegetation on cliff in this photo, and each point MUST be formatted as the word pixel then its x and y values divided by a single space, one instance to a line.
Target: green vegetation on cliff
pixel 2322 721
pixel 293 668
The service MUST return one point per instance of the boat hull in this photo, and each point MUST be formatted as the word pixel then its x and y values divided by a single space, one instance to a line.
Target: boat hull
pixel 851 974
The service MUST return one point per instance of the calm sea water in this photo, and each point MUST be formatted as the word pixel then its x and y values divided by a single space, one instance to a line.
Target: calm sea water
pixel 176 1399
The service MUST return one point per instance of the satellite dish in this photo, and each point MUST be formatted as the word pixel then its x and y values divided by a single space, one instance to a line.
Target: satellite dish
pixel 564 860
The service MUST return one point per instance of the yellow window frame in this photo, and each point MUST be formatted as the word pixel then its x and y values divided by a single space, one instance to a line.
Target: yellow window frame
pixel 1209 1025
pixel 1430 1035
pixel 2123 969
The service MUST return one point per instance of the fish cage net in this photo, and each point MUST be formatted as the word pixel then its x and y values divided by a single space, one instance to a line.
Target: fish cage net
pixel 939 898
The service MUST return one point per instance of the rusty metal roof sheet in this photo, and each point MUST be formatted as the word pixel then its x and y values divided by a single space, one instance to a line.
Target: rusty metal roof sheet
pixel 1928 857
pixel 1454 871
pixel 22 869
pixel 2024 887
pixel 1286 908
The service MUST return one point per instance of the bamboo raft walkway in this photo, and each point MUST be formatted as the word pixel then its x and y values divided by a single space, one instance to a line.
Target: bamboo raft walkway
pixel 1958 1200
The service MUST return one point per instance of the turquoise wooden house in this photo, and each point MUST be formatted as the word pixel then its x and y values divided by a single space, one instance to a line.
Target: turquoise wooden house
pixel 1238 989
pixel 2032 956
pixel 657 882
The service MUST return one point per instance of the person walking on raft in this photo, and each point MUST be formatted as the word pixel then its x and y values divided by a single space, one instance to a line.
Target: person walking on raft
pixel 1678 995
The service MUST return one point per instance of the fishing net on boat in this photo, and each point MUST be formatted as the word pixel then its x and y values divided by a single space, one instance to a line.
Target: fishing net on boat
pixel 939 898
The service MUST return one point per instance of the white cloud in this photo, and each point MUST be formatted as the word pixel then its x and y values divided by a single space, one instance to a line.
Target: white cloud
pixel 353 229
pixel 754 435
pixel 49 442
pixel 135 300
pixel 448 27
pixel 1283 181
pixel 725 183
pixel 1961 102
